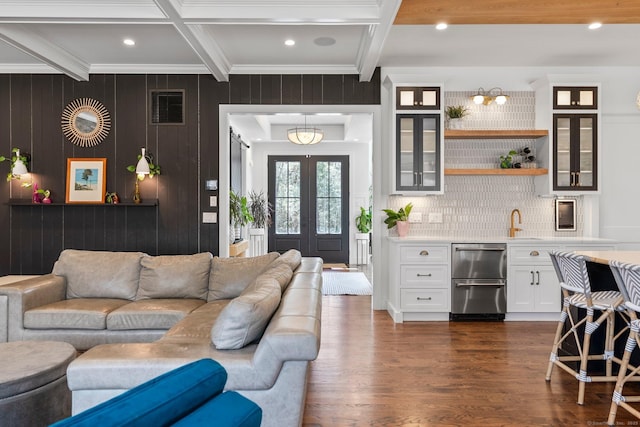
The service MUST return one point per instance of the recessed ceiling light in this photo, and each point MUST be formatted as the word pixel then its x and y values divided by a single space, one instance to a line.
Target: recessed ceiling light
pixel 289 42
pixel 441 26
pixel 595 25
pixel 129 42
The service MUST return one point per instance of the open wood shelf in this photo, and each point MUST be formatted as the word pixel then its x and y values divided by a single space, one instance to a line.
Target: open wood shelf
pixel 495 134
pixel 520 172
pixel 124 203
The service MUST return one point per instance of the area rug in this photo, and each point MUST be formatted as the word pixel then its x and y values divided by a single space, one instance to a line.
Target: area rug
pixel 345 283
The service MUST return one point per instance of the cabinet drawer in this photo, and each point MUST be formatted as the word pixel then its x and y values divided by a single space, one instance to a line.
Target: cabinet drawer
pixel 538 255
pixel 424 276
pixel 425 299
pixel 424 254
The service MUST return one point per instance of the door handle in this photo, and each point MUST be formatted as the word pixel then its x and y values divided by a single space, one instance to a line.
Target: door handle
pixel 533 279
pixel 472 284
pixel 537 278
pixel 577 179
pixel 421 178
pixel 423 275
pixel 415 179
pixel 423 299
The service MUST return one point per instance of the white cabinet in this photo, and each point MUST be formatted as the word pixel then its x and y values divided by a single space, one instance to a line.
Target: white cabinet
pixel 532 284
pixel 419 281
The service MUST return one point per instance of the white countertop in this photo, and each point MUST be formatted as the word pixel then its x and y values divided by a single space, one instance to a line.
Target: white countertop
pixel 509 240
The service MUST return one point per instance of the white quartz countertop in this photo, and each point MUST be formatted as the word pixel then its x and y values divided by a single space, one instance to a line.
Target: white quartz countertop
pixel 510 240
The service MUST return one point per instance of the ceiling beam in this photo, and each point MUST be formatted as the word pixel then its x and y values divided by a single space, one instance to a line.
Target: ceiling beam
pixel 373 39
pixel 42 49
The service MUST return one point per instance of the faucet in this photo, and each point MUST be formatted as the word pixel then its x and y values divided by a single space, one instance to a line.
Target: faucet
pixel 512 230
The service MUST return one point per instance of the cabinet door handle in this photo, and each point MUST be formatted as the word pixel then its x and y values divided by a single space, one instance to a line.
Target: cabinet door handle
pixel 423 299
pixel 421 178
pixel 424 252
pixel 577 179
pixel 572 177
pixel 537 278
pixel 415 178
pixel 534 253
pixel 533 279
pixel 423 275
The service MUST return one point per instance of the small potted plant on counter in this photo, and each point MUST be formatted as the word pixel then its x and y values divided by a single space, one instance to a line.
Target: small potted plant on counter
pixel 399 218
pixel 455 114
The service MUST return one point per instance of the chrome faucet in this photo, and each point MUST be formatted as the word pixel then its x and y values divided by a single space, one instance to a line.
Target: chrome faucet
pixel 513 229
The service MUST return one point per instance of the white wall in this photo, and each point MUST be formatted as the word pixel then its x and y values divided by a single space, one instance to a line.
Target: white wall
pixel 359 172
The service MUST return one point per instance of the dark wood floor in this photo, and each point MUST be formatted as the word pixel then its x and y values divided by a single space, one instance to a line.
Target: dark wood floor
pixel 372 372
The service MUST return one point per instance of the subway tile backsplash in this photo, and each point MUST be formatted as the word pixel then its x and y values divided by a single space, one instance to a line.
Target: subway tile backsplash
pixel 480 206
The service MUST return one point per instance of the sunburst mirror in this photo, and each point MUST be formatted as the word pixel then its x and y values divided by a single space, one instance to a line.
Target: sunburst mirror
pixel 85 122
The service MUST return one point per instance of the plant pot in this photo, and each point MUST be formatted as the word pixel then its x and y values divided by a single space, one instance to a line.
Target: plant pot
pixel 257 241
pixel 402 228
pixel 456 123
pixel 362 236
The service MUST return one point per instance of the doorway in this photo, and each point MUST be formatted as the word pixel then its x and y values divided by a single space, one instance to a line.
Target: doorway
pixel 310 195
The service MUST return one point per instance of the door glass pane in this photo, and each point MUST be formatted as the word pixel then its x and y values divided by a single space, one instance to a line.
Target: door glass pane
pixel 586 151
pixel 429 152
pixel 287 198
pixel 563 153
pixel 329 197
pixel 564 97
pixel 406 152
pixel 406 97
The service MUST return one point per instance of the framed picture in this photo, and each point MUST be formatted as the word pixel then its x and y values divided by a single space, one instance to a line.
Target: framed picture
pixel 86 182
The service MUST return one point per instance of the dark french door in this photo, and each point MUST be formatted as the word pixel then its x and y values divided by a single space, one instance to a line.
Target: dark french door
pixel 310 195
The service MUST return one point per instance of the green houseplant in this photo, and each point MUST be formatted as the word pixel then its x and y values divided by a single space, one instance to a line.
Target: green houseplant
pixel 239 213
pixel 399 218
pixel 363 221
pixel 455 114
pixel 15 155
pixel 260 209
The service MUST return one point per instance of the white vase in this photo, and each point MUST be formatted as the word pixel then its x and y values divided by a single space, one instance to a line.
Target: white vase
pixel 257 241
pixel 456 123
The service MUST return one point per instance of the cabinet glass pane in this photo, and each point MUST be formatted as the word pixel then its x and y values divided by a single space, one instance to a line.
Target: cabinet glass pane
pixel 586 97
pixel 406 153
pixel 586 151
pixel 429 145
pixel 406 97
pixel 429 98
pixel 564 97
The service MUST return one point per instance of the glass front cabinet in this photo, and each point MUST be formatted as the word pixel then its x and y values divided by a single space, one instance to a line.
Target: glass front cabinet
pixel 575 98
pixel 417 98
pixel 575 152
pixel 418 146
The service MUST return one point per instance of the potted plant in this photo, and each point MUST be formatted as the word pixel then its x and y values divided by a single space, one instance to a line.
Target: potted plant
pixel 15 155
pixel 363 224
pixel 455 114
pixel 239 213
pixel 260 209
pixel 154 169
pixel 399 218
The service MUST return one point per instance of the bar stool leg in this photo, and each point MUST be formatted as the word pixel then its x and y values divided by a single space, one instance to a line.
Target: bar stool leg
pixel 583 378
pixel 617 391
pixel 556 340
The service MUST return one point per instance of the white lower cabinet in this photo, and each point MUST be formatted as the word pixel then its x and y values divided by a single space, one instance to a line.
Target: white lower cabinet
pixel 419 281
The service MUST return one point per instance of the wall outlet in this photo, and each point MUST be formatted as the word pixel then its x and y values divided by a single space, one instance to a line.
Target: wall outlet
pixel 415 217
pixel 435 217
pixel 213 201
pixel 209 217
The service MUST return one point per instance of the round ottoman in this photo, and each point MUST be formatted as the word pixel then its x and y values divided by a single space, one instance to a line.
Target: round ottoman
pixel 33 382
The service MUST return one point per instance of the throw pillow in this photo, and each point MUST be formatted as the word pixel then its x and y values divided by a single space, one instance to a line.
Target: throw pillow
pixel 281 272
pixel 175 276
pixel 230 276
pixel 99 274
pixel 292 258
pixel 245 318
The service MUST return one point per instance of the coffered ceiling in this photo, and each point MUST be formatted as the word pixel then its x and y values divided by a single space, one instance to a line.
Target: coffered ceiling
pixel 223 37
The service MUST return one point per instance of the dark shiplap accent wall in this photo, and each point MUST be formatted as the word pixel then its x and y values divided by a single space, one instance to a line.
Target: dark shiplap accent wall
pixel 30 109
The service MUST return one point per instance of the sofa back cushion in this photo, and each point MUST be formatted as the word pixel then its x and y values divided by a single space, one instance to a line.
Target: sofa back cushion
pixel 175 276
pixel 99 274
pixel 230 276
pixel 244 319
pixel 281 272
pixel 292 258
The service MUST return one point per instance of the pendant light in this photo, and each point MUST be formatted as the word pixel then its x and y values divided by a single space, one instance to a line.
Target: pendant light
pixel 305 135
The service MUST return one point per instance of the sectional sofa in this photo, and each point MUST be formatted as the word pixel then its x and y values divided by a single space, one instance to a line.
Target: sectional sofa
pixel 140 316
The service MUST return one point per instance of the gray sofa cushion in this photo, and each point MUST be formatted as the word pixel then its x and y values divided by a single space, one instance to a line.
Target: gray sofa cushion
pixel 99 274
pixel 230 276
pixel 196 327
pixel 244 319
pixel 76 313
pixel 175 276
pixel 151 314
